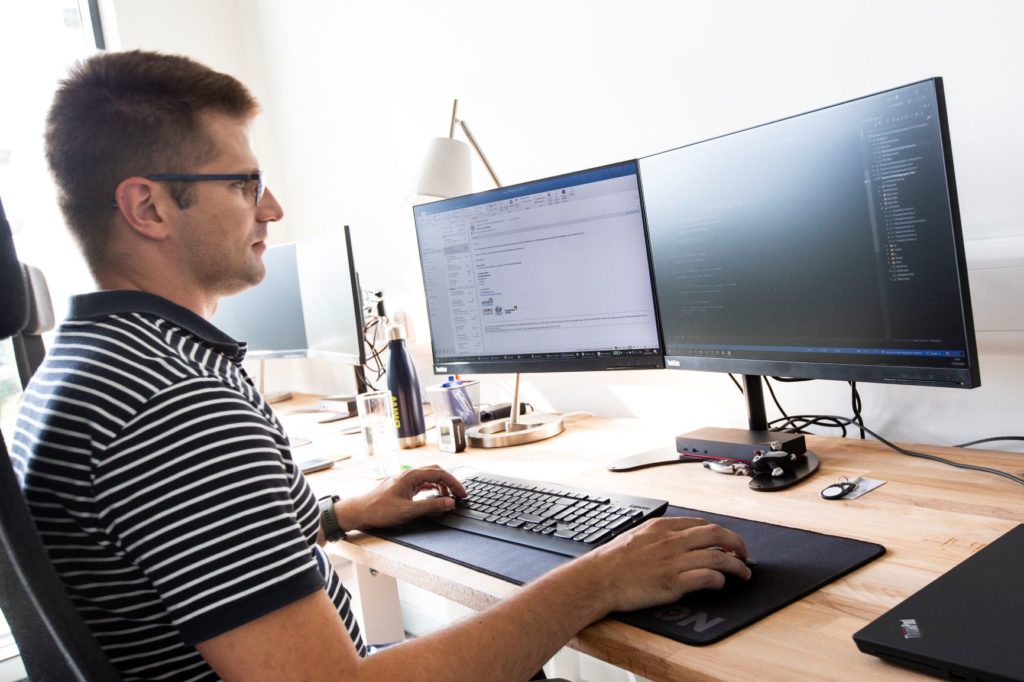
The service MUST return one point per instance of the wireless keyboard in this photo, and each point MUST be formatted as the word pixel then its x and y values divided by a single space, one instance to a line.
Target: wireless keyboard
pixel 554 518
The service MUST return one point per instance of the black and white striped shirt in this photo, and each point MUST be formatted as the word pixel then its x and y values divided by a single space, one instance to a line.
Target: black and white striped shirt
pixel 163 485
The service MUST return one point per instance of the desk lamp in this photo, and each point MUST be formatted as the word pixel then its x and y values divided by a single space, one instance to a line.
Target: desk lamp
pixel 446 169
pixel 446 173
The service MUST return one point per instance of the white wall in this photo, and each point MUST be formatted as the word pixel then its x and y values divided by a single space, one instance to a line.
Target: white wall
pixel 353 90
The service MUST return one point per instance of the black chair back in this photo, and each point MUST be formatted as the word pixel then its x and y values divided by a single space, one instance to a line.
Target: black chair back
pixel 13 301
pixel 29 351
pixel 54 642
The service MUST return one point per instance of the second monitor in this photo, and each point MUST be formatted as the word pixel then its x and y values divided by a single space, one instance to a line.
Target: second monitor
pixel 308 305
pixel 549 275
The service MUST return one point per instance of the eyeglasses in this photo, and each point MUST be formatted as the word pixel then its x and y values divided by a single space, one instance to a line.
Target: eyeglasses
pixel 207 177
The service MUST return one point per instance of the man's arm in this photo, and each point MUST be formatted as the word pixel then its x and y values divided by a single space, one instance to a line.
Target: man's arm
pixel 655 563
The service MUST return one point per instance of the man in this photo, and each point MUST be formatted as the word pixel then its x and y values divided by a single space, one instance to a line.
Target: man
pixel 162 483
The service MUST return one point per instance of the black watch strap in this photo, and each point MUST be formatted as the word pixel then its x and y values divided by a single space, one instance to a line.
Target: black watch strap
pixel 329 520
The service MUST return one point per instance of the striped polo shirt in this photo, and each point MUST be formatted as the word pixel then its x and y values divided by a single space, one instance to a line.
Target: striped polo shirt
pixel 163 485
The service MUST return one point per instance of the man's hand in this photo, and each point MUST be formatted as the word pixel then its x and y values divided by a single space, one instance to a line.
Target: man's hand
pixel 663 559
pixel 391 503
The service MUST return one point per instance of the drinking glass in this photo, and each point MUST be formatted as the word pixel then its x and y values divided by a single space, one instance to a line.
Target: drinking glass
pixel 378 422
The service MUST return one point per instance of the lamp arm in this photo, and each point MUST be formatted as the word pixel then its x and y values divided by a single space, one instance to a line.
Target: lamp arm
pixel 451 127
pixel 480 153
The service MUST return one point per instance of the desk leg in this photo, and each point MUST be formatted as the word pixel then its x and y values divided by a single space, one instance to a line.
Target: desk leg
pixel 378 599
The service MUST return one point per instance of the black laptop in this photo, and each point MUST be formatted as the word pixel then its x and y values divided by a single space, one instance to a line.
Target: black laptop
pixel 966 625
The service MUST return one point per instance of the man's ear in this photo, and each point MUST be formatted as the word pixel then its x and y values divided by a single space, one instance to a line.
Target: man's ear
pixel 143 205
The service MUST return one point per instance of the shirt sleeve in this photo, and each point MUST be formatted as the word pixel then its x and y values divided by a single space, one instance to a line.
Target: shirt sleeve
pixel 195 492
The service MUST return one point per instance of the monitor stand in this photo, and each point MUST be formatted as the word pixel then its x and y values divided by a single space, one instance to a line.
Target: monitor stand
pixel 274 396
pixel 517 429
pixel 734 445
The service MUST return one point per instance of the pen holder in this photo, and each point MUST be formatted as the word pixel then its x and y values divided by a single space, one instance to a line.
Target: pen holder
pixel 461 399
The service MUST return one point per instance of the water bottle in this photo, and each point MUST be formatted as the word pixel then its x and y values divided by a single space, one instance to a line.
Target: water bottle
pixel 405 391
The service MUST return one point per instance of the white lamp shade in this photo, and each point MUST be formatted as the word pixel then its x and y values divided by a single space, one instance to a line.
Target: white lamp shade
pixel 446 170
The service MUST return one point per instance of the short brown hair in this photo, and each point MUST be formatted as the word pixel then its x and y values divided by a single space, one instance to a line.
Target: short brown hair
pixel 121 114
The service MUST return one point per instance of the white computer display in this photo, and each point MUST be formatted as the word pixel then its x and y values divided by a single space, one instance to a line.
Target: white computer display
pixel 305 306
pixel 269 316
pixel 540 275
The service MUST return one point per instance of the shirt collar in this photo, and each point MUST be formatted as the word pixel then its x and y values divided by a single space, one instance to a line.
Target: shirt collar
pixel 100 304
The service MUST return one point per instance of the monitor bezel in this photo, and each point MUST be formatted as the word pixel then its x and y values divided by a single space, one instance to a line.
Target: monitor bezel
pixel 604 362
pixel 889 373
pixel 329 352
pixel 357 299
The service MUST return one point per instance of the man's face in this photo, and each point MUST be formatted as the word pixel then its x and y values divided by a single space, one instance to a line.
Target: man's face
pixel 221 236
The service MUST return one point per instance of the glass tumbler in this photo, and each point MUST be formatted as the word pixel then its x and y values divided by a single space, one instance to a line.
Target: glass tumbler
pixel 378 423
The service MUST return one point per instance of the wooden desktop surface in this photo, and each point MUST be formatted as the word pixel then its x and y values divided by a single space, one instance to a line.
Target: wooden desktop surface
pixel 928 516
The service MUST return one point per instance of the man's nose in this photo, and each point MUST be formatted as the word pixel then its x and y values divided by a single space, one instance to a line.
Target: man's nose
pixel 269 209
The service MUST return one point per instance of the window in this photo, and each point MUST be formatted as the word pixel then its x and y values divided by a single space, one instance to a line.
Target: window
pixel 39 40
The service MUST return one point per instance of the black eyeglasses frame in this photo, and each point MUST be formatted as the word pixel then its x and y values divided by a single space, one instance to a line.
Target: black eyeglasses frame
pixel 211 177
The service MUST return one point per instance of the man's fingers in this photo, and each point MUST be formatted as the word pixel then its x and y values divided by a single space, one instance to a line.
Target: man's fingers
pixel 699 579
pixel 695 533
pixel 677 523
pixel 434 474
pixel 713 536
pixel 433 505
pixel 719 560
pixel 706 569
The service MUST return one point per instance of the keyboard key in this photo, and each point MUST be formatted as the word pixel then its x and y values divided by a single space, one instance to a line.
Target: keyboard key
pixel 470 513
pixel 599 536
pixel 618 523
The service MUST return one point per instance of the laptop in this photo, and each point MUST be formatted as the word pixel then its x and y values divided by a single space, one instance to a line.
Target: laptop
pixel 965 625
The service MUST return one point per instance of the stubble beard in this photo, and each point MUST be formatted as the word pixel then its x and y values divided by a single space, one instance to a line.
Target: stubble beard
pixel 224 277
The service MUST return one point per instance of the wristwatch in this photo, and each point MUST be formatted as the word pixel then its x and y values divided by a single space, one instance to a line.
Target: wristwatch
pixel 329 520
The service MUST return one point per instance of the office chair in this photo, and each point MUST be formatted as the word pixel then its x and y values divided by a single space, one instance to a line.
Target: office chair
pixel 28 343
pixel 54 642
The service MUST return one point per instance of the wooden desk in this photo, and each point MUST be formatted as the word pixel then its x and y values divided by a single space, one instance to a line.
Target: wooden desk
pixel 928 516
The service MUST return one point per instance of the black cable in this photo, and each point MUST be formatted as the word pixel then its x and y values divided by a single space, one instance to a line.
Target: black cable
pixel 856 405
pixel 922 455
pixel 799 423
pixel 988 440
pixel 374 362
pixel 771 391
pixel 366 381
pixel 795 425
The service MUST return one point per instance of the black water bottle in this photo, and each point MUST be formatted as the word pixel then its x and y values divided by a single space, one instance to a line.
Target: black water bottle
pixel 405 391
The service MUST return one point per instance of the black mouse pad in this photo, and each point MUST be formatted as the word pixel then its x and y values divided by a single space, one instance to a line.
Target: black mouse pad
pixel 791 563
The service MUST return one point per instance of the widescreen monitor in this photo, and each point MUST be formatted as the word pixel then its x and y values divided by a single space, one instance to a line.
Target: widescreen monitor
pixel 822 246
pixel 826 245
pixel 308 305
pixel 549 275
